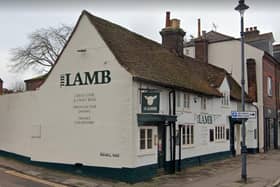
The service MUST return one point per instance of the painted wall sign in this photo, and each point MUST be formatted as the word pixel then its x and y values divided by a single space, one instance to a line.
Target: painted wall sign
pixel 85 78
pixel 150 102
pixel 205 119
pixel 84 106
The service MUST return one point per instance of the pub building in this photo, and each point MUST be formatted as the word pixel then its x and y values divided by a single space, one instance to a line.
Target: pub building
pixel 120 106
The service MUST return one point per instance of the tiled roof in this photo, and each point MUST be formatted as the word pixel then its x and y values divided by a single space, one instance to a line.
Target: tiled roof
pixel 148 60
pixel 40 77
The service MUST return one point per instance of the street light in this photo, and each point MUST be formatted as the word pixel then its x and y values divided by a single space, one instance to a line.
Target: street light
pixel 241 7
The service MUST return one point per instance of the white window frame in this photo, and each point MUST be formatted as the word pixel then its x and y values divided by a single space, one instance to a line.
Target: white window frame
pixel 187 100
pixel 178 99
pixel 203 103
pixel 146 139
pixel 225 99
pixel 187 139
pixel 220 133
pixel 269 86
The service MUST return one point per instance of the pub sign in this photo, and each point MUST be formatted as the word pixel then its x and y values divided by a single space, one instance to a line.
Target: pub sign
pixel 150 102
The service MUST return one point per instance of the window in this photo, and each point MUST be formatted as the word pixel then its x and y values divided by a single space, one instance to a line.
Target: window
pixel 255 134
pixel 219 132
pixel 227 134
pixel 178 98
pixel 225 99
pixel 203 103
pixel 269 86
pixel 146 139
pixel 211 135
pixel 186 100
pixel 187 135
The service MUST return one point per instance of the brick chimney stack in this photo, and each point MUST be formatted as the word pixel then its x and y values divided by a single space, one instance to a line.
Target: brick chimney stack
pixel 201 45
pixel 252 79
pixel 251 32
pixel 173 36
pixel 1 87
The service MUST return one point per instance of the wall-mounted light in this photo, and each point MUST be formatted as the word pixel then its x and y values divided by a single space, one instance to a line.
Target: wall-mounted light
pixel 195 99
pixel 82 50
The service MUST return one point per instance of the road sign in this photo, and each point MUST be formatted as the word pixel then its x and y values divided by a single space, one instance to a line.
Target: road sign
pixel 243 115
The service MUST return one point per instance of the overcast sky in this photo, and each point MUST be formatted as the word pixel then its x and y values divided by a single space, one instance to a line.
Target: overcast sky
pixel 18 18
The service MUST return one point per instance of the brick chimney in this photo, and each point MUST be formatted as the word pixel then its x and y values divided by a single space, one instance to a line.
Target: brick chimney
pixel 1 87
pixel 252 79
pixel 251 32
pixel 201 46
pixel 173 36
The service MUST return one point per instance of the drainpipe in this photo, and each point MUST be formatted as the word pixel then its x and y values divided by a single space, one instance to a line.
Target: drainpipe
pixel 174 132
pixel 180 146
pixel 170 128
pixel 258 140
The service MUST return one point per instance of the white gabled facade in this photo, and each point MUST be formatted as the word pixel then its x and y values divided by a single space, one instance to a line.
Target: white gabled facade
pixel 87 112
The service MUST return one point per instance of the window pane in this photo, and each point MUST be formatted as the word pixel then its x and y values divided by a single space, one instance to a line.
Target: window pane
pixel 227 134
pixel 149 143
pixel 142 134
pixel 184 135
pixel 142 139
pixel 188 134
pixel 191 134
pixel 142 144
pixel 178 99
pixel 150 133
pixel 185 100
pixel 211 135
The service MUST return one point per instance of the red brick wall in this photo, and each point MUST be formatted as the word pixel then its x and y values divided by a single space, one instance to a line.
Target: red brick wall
pixel 269 70
pixel 33 84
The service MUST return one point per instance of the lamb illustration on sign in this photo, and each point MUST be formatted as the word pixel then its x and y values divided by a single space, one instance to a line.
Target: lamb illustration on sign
pixel 150 99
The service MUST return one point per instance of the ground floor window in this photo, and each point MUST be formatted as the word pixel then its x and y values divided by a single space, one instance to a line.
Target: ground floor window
pixel 220 133
pixel 187 135
pixel 146 138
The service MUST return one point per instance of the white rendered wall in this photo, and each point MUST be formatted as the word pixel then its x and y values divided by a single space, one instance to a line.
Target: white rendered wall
pixel 106 141
pixel 201 145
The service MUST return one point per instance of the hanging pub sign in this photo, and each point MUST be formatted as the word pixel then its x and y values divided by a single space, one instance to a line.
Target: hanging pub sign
pixel 150 102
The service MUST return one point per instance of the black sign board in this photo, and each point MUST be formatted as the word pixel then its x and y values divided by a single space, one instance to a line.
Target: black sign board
pixel 150 102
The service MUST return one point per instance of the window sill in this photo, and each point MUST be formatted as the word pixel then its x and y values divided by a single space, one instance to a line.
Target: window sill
pixel 225 106
pixel 188 146
pixel 220 141
pixel 146 153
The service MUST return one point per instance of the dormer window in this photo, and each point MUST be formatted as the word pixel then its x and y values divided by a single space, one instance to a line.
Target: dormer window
pixel 203 103
pixel 226 99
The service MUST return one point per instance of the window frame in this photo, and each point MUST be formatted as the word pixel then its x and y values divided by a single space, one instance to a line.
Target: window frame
pixel 203 103
pixel 147 140
pixel 220 133
pixel 269 86
pixel 187 135
pixel 186 101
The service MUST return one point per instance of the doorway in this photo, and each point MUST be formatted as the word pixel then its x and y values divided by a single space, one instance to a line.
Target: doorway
pixel 161 145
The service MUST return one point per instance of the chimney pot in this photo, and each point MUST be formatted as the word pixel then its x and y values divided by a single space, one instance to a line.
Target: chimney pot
pixel 167 19
pixel 251 28
pixel 255 28
pixel 198 28
pixel 175 23
pixel 247 29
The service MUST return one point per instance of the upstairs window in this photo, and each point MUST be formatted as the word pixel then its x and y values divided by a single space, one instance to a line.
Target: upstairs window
pixel 269 86
pixel 186 100
pixel 178 99
pixel 226 99
pixel 203 103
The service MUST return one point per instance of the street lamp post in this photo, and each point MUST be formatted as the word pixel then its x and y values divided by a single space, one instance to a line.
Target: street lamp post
pixel 241 7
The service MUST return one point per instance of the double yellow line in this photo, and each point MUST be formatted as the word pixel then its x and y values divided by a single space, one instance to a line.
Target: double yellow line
pixel 34 179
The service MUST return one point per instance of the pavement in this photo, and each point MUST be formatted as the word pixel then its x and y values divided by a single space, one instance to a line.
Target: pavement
pixel 263 171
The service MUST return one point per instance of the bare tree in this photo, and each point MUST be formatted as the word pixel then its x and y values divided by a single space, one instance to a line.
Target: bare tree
pixel 43 49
